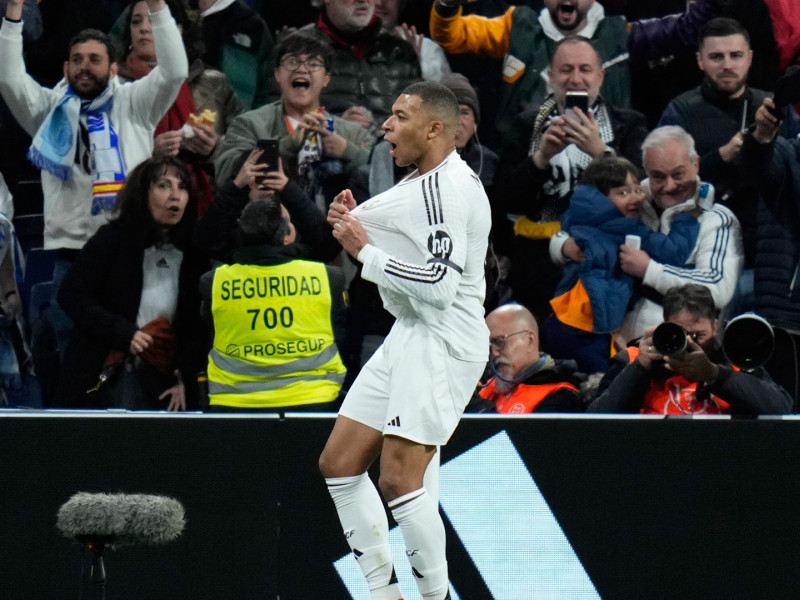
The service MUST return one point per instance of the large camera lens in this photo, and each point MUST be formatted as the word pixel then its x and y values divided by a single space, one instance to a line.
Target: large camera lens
pixel 669 339
pixel 748 341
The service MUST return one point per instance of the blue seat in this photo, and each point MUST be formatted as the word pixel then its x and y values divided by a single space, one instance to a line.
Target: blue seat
pixel 30 231
pixel 39 266
pixel 40 299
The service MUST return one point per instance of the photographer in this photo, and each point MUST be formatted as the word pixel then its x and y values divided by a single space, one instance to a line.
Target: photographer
pixel 696 380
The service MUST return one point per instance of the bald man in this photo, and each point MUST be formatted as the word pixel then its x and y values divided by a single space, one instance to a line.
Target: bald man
pixel 525 379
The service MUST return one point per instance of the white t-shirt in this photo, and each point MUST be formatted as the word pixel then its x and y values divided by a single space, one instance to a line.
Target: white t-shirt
pixel 161 271
pixel 428 237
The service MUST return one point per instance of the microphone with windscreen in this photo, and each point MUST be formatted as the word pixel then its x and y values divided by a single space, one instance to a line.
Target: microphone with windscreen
pixel 113 520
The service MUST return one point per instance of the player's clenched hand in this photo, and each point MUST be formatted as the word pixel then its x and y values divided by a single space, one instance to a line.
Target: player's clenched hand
pixel 351 234
pixel 341 205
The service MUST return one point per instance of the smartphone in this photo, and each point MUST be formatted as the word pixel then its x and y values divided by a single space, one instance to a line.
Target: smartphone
pixel 633 241
pixel 577 99
pixel 270 155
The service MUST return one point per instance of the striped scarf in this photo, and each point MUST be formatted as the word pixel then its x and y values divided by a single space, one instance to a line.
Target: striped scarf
pixel 54 146
pixel 567 166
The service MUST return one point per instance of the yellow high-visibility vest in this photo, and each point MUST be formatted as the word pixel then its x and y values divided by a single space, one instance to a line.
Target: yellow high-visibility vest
pixel 273 342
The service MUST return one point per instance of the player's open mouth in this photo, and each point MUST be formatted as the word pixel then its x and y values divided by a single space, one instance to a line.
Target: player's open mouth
pixel 301 83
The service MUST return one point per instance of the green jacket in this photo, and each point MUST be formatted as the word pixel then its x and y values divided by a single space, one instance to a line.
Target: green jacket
pixel 267 122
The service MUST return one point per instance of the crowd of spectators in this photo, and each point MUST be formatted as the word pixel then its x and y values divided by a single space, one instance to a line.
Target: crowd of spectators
pixel 184 137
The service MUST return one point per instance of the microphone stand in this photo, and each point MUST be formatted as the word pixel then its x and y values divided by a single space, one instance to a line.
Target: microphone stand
pixel 97 571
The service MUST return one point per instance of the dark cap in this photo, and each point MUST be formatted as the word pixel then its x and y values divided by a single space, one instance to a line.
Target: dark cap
pixel 465 93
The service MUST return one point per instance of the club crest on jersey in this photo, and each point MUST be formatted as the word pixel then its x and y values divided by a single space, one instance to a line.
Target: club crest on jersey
pixel 440 244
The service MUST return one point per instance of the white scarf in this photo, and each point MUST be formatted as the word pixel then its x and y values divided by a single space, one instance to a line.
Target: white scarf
pixel 55 144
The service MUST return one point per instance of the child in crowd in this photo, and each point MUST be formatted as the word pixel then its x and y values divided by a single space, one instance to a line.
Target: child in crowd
pixel 593 295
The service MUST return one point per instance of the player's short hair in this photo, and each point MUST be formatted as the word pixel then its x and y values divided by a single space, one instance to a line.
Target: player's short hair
pixel 722 27
pixel 692 297
pixel 608 172
pixel 662 134
pixel 263 223
pixel 438 99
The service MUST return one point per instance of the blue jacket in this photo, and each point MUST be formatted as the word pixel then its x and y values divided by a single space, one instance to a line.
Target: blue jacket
pixel 599 228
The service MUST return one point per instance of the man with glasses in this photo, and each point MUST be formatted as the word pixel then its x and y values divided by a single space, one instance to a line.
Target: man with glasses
pixel 525 380
pixel 317 149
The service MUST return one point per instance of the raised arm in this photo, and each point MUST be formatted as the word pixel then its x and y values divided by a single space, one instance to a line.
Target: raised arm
pixel 14 10
pixel 28 101
pixel 458 34
pixel 673 34
pixel 155 93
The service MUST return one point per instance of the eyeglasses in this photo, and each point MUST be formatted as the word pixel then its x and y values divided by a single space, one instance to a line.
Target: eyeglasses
pixel 312 64
pixel 499 342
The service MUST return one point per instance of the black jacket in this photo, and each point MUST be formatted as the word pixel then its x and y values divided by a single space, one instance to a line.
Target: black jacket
pixel 774 170
pixel 375 79
pixel 101 294
pixel 215 234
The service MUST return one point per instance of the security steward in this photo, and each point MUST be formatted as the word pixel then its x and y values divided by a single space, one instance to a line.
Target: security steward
pixel 274 316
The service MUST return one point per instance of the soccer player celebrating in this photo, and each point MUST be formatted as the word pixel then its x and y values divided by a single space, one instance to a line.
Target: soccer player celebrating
pixel 423 242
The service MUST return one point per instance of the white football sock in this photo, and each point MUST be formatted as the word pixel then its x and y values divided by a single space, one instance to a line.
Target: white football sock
pixel 417 514
pixel 366 529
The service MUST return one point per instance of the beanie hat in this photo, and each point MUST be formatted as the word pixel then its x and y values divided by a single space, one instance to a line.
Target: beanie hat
pixel 465 94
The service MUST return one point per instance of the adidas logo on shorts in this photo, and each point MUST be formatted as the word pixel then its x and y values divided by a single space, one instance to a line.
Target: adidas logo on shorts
pixel 394 422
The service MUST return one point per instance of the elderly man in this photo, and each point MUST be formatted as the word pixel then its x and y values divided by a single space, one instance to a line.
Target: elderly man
pixel 525 41
pixel 551 149
pixel 698 380
pixel 317 148
pixel 673 186
pixel 525 379
pixel 370 67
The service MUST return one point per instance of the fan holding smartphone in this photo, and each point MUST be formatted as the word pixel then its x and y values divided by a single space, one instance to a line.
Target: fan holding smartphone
pixel 310 141
pixel 572 126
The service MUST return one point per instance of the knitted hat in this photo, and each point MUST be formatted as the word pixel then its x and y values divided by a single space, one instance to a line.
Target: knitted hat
pixel 460 86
